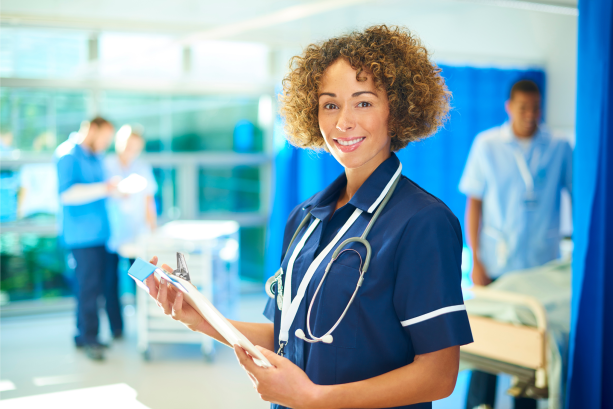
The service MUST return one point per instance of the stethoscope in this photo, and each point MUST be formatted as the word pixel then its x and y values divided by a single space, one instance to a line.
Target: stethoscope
pixel 289 307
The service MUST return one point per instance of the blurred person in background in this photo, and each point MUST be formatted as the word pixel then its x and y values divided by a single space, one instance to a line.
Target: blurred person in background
pixel 129 215
pixel 38 182
pixel 83 190
pixel 6 141
pixel 513 178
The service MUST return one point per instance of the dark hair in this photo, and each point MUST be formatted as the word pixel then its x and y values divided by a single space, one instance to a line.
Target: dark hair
pixel 100 122
pixel 400 65
pixel 527 86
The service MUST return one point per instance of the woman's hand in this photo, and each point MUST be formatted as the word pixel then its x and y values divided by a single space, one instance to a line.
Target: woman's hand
pixel 479 275
pixel 285 383
pixel 170 300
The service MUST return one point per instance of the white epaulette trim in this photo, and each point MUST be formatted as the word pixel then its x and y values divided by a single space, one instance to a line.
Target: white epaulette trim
pixel 433 314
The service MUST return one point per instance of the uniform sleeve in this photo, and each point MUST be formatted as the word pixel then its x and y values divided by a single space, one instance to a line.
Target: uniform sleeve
pixel 146 171
pixel 269 310
pixel 428 295
pixel 472 183
pixel 567 177
pixel 66 167
pixel 152 186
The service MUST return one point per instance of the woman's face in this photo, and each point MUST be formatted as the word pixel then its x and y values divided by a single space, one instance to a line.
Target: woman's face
pixel 134 146
pixel 353 117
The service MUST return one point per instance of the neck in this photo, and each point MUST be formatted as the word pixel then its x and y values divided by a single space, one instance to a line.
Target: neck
pixel 88 143
pixel 356 178
pixel 522 133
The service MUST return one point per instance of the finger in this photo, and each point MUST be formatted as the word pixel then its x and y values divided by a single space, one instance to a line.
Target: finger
pixel 177 306
pixel 154 260
pixel 162 297
pixel 253 381
pixel 245 360
pixel 167 268
pixel 272 357
pixel 152 283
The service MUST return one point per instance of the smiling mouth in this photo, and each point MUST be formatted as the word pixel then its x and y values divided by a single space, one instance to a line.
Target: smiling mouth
pixel 349 142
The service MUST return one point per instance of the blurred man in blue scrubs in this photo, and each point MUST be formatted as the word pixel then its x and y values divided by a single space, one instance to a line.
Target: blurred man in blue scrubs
pixel 513 178
pixel 129 215
pixel 85 227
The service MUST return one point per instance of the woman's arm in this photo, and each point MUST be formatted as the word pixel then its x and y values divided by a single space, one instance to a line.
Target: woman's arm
pixel 171 302
pixel 430 377
pixel 150 212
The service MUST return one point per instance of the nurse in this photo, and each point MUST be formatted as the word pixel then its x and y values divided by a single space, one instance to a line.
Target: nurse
pixel 514 178
pixel 392 341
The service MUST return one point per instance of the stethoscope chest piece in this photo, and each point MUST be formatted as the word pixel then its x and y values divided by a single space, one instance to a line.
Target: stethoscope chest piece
pixel 276 281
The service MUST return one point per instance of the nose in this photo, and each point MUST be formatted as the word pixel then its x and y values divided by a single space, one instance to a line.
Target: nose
pixel 532 114
pixel 345 122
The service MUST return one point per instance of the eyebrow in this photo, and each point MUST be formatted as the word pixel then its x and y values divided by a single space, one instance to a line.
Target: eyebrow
pixel 355 94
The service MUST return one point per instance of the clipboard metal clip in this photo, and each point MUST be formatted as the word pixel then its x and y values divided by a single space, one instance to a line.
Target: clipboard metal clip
pixel 282 345
pixel 181 270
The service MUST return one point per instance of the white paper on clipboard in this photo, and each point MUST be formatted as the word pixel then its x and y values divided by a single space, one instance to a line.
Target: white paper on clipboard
pixel 205 308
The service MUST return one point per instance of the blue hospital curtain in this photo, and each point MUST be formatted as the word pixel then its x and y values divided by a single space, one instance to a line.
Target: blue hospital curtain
pixel 477 104
pixel 590 375
pixel 436 164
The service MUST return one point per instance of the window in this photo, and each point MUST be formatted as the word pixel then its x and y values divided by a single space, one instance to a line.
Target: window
pixel 208 151
pixel 39 120
pixel 139 55
pixel 37 53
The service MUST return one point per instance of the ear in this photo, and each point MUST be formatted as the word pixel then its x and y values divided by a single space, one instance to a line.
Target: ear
pixel 507 106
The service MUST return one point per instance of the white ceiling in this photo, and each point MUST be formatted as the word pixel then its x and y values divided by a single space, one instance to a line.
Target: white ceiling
pixel 488 32
pixel 189 16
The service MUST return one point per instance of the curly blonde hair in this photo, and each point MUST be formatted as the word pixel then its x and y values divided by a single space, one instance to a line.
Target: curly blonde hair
pixel 400 65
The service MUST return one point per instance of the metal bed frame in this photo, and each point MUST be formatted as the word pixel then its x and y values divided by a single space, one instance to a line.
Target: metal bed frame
pixel 517 350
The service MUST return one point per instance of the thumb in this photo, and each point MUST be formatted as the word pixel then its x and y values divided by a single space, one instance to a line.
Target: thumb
pixel 272 357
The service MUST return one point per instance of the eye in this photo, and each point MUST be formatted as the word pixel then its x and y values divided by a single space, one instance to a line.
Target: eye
pixel 364 104
pixel 330 106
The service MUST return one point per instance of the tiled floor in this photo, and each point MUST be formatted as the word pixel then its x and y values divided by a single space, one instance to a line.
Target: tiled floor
pixel 38 357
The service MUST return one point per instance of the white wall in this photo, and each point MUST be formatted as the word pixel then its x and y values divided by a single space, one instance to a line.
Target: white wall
pixel 458 32
pixel 464 33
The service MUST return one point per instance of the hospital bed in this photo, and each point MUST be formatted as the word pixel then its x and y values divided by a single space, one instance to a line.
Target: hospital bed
pixel 211 252
pixel 504 348
pixel 520 328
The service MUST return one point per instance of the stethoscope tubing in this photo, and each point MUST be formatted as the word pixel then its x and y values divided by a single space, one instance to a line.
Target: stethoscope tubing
pixel 327 337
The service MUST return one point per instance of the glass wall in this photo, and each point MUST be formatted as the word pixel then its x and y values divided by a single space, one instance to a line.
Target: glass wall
pixel 34 53
pixel 208 150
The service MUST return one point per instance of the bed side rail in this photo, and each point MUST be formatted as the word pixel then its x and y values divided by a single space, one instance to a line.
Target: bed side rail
pixel 523 346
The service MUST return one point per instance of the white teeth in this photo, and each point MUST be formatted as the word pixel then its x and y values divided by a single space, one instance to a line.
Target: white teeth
pixel 349 142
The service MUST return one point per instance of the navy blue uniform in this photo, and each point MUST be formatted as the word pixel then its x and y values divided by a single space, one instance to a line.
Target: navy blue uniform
pixel 410 302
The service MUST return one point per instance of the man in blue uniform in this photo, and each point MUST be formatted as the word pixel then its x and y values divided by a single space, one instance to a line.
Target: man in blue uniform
pixel 513 178
pixel 85 227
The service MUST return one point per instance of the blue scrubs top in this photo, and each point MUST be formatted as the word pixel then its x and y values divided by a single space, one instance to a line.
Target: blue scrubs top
pixel 83 225
pixel 529 231
pixel 410 302
pixel 127 215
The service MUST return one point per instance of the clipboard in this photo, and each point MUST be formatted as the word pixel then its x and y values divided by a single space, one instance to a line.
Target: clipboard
pixel 141 269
